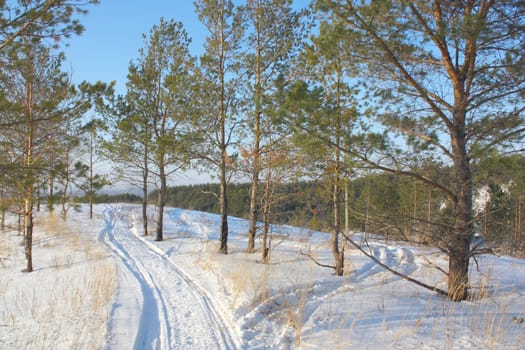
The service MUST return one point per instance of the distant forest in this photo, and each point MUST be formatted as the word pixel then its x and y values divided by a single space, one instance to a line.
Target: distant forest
pixel 379 203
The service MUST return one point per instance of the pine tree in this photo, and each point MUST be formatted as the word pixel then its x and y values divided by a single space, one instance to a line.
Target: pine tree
pixel 153 119
pixel 218 93
pixel 449 79
pixel 273 33
pixel 39 103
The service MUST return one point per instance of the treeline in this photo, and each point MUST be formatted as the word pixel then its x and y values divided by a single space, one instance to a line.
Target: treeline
pixel 384 204
pixel 300 202
pixel 114 198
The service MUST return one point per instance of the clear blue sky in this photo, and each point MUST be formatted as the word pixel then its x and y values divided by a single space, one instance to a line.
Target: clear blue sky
pixel 113 36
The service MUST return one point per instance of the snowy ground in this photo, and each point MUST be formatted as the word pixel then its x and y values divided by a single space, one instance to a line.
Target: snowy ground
pixel 181 294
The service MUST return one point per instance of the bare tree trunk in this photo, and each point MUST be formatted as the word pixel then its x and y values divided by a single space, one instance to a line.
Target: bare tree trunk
pixel 3 206
pixel 256 152
pixel 91 192
pixel 224 209
pixel 145 175
pixel 145 206
pixel 20 227
pixel 253 193
pixel 253 212
pixel 347 209
pixel 338 255
pixel 266 215
pixel 29 181
pixel 517 229
pixel 413 229
pixel 51 194
pixel 429 211
pixel 161 202
pixel 367 206
pixel 65 190
pixel 266 245
pixel 38 198
pixel 28 232
pixel 64 200
pixel 458 245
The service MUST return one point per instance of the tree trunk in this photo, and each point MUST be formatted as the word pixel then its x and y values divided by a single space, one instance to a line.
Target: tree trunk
pixel 266 217
pixel 414 221
pixel 28 232
pixel 38 199
pixel 91 188
pixel 253 213
pixel 458 270
pixel 145 175
pixel 91 206
pixel 4 206
pixel 256 147
pixel 21 226
pixel 338 256
pixel 161 202
pixel 459 249
pixel 64 200
pixel 145 208
pixel 29 180
pixel 253 193
pixel 224 210
pixel 517 229
pixel 347 209
pixel 51 194
pixel 223 150
pixel 65 190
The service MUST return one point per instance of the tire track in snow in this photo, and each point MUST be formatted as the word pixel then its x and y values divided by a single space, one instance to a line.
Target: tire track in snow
pixel 176 314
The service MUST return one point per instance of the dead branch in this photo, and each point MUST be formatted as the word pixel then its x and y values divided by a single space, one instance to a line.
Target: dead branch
pixel 477 250
pixel 388 268
pixel 315 261
pixel 431 264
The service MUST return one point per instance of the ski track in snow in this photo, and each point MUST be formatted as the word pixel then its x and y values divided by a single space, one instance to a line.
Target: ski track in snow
pixel 176 313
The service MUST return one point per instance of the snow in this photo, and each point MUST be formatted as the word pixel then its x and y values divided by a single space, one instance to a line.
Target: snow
pixel 181 294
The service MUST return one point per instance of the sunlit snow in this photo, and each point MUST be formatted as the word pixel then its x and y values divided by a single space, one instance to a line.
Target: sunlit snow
pixel 181 294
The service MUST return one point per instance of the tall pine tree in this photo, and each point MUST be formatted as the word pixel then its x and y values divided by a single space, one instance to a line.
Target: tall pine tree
pixel 448 76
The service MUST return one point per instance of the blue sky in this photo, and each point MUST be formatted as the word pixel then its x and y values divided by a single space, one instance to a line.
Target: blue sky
pixel 113 36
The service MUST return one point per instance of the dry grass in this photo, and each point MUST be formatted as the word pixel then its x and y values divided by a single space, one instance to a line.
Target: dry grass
pixel 65 305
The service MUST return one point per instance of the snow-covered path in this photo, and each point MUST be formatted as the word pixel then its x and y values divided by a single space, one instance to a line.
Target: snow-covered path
pixel 173 312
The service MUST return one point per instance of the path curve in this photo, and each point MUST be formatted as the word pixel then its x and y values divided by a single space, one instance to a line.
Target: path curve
pixel 176 313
